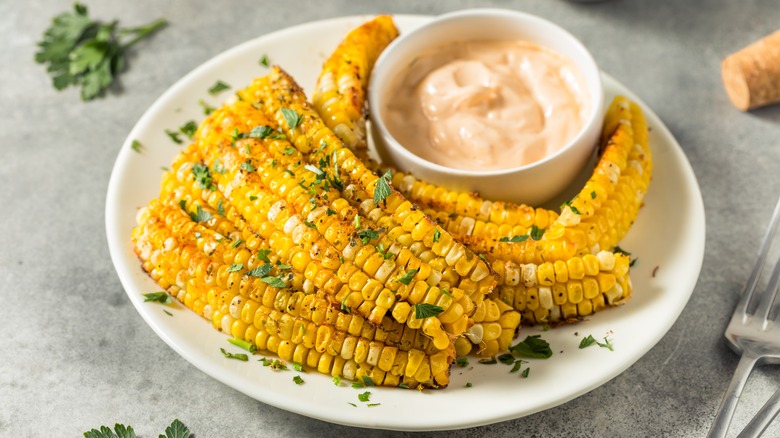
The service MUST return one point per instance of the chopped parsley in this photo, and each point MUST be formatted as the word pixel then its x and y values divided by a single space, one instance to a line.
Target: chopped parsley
pixel 136 146
pixel 462 362
pixel 220 208
pixel 469 385
pixel 174 136
pixel 364 396
pixel 310 225
pixel 167 312
pixel 201 215
pixel 238 356
pixel 367 235
pixel 218 87
pixel 298 367
pixel 590 340
pixel 261 131
pixel 337 380
pixel 525 372
pixel 298 380
pixel 236 243
pixel 436 235
pixel 489 361
pixel 533 347
pixel 203 176
pixel 235 267
pixel 291 117
pixel 407 277
pixel 264 61
pixel 518 364
pixel 382 189
pixel 158 297
pixel 593 195
pixel 246 165
pixel 189 128
pixel 536 232
pixel 571 206
pixel 344 307
pixel 425 310
pixel 288 150
pixel 262 254
pixel 207 109
pixel 274 281
pixel 240 343
pixel 514 239
pixel 446 292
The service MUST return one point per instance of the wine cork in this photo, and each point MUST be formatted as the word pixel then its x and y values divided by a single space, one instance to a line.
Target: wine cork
pixel 751 76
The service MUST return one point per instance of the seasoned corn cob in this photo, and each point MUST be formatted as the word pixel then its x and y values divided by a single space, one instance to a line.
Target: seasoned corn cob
pixel 296 326
pixel 602 212
pixel 381 285
pixel 340 94
pixel 279 92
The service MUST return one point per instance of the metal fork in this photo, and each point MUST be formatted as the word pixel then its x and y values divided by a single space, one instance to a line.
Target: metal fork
pixel 756 338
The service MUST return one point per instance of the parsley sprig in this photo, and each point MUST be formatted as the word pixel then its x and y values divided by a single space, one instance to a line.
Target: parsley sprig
pixel 80 51
pixel 177 429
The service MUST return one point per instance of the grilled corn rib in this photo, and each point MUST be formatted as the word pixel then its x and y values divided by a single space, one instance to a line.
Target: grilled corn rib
pixel 278 93
pixel 340 94
pixel 296 326
pixel 285 193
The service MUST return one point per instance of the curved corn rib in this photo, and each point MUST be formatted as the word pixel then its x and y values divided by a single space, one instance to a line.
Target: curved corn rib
pixel 340 94
pixel 296 326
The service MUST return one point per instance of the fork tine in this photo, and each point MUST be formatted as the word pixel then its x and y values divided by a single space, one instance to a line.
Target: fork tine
pixel 750 286
pixel 769 294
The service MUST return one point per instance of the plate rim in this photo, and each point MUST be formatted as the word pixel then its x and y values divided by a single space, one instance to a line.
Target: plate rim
pixel 216 371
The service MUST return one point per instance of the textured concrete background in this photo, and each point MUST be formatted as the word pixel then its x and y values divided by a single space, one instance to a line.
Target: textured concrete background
pixel 74 353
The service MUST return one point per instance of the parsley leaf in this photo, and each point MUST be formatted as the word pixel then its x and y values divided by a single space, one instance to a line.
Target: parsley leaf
pixel 533 347
pixel 88 53
pixel 367 235
pixel 238 356
pixel 298 380
pixel 587 341
pixel 218 87
pixel 425 310
pixel 364 396
pixel 260 271
pixel 203 176
pixel 207 109
pixel 264 61
pixel 261 131
pixel 536 232
pixel 159 297
pixel 382 189
pixel 189 128
pixel 274 281
pixel 201 215
pixel 514 239
pixel 235 267
pixel 407 277
pixel 240 343
pixel 246 165
pixel 120 431
pixel 291 117
pixel 174 136
pixel 262 254
pixel 177 429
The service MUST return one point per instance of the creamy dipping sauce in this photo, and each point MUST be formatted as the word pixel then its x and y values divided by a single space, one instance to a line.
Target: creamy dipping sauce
pixel 487 105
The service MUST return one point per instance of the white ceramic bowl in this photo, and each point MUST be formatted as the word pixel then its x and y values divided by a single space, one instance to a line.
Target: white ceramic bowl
pixel 533 183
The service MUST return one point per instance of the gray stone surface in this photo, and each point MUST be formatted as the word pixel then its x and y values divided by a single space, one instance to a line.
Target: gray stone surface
pixel 75 354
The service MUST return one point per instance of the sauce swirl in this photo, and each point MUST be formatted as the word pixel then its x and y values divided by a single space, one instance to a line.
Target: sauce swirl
pixel 487 105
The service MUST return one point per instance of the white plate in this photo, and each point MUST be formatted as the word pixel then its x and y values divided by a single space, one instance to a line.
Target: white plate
pixel 667 238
